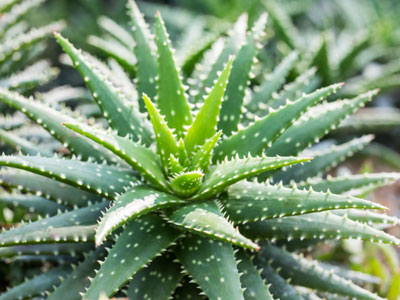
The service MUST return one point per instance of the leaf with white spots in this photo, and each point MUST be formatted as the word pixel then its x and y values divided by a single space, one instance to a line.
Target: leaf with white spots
pixel 119 111
pixel 146 67
pixel 201 159
pixel 130 253
pixel 78 280
pixel 254 285
pixel 45 187
pixel 239 76
pixel 38 285
pixel 347 183
pixel 141 158
pixel 323 225
pixel 162 273
pixel 186 184
pixel 227 173
pixel 315 124
pixel 205 124
pixel 32 203
pixel 323 160
pixel 249 202
pixel 308 273
pixel 206 219
pixel 197 254
pixel 51 120
pixel 293 90
pixel 136 202
pixel 103 180
pixel 258 136
pixel 171 97
pixel 271 83
pixel 74 226
pixel 71 249
pixel 188 290
pixel 368 217
pixel 166 141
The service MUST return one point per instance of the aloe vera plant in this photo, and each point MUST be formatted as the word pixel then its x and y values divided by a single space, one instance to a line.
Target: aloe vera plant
pixel 188 194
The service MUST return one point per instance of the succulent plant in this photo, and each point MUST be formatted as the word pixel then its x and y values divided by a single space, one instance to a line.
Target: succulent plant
pixel 188 196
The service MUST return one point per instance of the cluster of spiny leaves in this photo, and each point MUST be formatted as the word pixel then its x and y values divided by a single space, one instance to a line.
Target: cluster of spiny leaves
pixel 191 195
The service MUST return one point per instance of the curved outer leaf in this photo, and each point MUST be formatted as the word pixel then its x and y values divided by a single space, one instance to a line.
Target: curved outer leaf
pixel 146 67
pixel 278 285
pixel 137 201
pixel 324 225
pixel 71 249
pixel 78 280
pixel 163 269
pixel 171 98
pixel 144 160
pixel 205 124
pixel 272 82
pixel 197 254
pixel 22 145
pixel 249 202
pixel 131 252
pixel 259 135
pixel 206 219
pixel 38 285
pixel 254 286
pixel 31 202
pixel 236 87
pixel 343 184
pixel 317 123
pixel 323 161
pixel 166 141
pixel 103 180
pixel 227 173
pixel 308 273
pixel 73 226
pixel 51 120
pixel 121 115
pixel 48 188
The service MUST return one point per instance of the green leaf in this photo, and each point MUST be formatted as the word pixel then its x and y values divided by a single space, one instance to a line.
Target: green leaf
pixel 188 290
pixel 249 202
pixel 38 285
pixel 342 184
pixel 272 82
pixel 317 123
pixel 48 188
pixel 206 219
pixel 197 254
pixel 162 269
pixel 323 160
pixel 120 113
pixel 239 76
pixel 117 31
pixel 51 120
pixel 22 145
pixel 103 180
pixel 171 98
pixel 71 249
pixel 277 285
pixel 205 124
pixel 323 225
pixel 263 132
pixel 293 90
pixel 31 203
pixel 144 50
pixel 227 173
pixel 383 153
pixel 10 122
pixel 283 24
pixel 308 273
pixel 7 4
pixel 368 217
pixel 142 159
pixel 321 60
pixel 186 184
pixel 137 201
pixel 254 285
pixel 202 157
pixel 73 226
pixel 131 252
pixel 79 279
pixel 166 141
pixel 358 44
